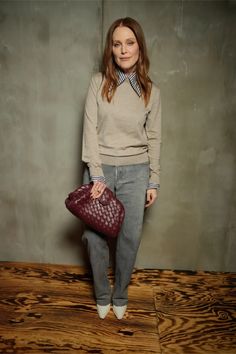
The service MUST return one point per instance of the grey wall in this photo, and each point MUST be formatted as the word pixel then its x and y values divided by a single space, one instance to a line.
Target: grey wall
pixel 48 51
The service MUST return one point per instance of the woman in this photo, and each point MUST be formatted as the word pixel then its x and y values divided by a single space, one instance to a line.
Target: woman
pixel 121 147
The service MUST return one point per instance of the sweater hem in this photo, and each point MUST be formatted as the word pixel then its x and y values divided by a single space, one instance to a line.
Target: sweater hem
pixel 124 160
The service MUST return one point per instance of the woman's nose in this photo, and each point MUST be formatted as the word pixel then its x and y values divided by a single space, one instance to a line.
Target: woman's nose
pixel 123 49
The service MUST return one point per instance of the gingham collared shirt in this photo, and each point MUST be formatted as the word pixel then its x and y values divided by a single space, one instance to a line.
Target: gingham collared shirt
pixel 132 79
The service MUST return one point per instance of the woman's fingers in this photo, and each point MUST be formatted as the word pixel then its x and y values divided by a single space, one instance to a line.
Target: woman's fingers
pixel 151 197
pixel 97 189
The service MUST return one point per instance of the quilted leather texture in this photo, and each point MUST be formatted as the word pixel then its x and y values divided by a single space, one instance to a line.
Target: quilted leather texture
pixel 104 214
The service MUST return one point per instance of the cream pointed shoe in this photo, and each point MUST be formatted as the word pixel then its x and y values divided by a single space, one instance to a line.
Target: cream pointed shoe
pixel 103 310
pixel 119 311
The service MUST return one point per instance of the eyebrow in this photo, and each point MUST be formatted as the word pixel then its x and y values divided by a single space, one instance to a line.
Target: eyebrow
pixel 128 39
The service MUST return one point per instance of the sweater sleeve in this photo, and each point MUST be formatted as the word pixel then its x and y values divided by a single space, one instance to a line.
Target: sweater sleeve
pixel 153 131
pixel 90 148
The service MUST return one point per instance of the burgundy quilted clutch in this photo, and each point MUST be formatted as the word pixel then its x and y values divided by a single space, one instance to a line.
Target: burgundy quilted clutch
pixel 104 214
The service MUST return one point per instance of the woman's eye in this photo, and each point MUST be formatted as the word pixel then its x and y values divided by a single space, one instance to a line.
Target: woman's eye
pixel 130 43
pixel 116 44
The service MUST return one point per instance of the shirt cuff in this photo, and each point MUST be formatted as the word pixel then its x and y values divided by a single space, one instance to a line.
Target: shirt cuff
pixel 98 179
pixel 152 185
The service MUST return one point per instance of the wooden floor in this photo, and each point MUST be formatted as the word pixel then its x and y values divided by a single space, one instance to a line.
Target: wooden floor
pixel 50 309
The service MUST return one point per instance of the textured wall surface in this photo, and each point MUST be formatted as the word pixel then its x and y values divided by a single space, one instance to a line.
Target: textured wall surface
pixel 48 51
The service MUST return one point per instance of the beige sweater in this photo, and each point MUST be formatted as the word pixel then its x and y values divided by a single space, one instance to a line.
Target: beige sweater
pixel 121 132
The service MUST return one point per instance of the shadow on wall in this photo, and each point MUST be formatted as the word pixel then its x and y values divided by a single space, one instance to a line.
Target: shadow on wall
pixel 72 233
pixel 72 239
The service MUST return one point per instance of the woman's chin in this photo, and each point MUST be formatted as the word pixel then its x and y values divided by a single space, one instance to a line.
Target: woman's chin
pixel 127 68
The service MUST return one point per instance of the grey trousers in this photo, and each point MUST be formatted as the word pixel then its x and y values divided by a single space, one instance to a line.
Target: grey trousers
pixel 129 183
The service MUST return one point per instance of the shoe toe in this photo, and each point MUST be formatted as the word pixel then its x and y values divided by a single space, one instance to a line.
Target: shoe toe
pixel 119 311
pixel 103 310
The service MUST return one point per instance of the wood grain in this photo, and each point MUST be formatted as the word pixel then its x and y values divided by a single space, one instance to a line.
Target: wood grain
pixel 51 309
pixel 196 319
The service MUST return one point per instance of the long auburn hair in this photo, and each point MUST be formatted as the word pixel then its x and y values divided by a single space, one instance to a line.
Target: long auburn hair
pixel 109 66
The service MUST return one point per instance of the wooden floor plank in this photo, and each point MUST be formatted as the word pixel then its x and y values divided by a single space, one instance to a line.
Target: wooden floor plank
pixel 173 278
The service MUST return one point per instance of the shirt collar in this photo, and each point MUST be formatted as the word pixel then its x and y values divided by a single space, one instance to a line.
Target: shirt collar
pixel 132 79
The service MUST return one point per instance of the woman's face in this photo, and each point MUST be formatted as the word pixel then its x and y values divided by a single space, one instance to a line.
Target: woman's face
pixel 125 48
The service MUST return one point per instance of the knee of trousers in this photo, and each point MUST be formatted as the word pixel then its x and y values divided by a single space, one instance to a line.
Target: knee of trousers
pixel 90 238
pixel 128 246
pixel 131 231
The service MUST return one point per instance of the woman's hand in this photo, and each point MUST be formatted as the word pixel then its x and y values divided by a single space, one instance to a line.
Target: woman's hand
pixel 97 189
pixel 151 197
